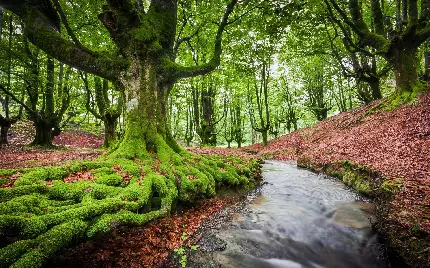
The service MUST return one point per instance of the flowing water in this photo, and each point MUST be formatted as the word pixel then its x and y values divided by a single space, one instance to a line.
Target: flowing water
pixel 300 219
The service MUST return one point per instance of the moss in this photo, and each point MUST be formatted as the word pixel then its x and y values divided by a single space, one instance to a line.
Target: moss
pixel 9 193
pixel 35 210
pixel 391 185
pixel 7 172
pixel 4 181
pixel 107 176
pixel 33 203
pixel 39 175
pixel 11 253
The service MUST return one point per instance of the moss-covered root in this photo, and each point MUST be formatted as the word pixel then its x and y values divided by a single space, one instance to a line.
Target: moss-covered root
pixel 45 212
pixel 33 253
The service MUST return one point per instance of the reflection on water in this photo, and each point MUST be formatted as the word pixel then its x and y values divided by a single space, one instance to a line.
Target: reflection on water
pixel 300 219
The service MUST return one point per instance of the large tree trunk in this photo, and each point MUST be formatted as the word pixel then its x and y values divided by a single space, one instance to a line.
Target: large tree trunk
pixel 405 67
pixel 375 88
pixel 43 135
pixel 145 95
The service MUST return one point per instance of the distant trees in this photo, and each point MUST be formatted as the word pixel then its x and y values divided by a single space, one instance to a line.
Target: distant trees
pixel 259 94
pixel 107 110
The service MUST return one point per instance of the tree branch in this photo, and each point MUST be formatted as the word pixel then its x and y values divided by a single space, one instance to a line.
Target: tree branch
pixel 184 72
pixel 41 27
pixel 7 92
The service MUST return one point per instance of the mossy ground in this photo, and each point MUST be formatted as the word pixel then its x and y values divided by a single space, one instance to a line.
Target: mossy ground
pixel 44 211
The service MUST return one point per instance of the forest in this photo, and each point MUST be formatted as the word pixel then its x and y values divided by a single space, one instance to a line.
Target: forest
pixel 119 113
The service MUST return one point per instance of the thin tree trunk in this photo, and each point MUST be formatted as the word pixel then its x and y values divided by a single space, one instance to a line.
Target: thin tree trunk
pixel 1 21
pixel 264 134
pixel 110 131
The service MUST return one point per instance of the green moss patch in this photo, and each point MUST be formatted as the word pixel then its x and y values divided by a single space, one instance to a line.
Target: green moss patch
pixel 44 212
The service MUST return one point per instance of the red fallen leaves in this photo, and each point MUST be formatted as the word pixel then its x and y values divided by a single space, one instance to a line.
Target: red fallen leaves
pixel 396 143
pixel 79 176
pixel 81 147
pixel 80 139
pixel 146 246
pixel 126 177
pixel 12 180
pixel 17 157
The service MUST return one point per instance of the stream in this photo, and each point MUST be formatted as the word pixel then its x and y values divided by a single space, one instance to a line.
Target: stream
pixel 296 219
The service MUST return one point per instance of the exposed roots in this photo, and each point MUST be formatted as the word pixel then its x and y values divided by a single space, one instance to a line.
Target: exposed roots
pixel 47 209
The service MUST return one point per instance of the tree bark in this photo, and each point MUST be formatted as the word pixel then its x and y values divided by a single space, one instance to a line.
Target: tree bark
pixel 43 135
pixel 375 88
pixel 110 131
pixel 264 134
pixel 405 67
pixel 146 129
pixel 3 134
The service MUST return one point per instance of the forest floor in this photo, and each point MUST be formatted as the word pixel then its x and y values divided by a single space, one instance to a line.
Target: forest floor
pixel 151 245
pixel 396 145
pixel 70 145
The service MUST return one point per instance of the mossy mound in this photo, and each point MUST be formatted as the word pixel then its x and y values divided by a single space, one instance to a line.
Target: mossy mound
pixel 45 210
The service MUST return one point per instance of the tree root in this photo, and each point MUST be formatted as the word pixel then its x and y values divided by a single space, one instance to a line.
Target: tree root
pixel 47 209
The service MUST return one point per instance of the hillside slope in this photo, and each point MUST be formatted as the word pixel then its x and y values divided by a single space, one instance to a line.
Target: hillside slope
pixel 385 154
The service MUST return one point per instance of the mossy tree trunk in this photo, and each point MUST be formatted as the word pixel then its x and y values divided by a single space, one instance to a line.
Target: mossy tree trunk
pixel 44 134
pixel 204 114
pixel 264 135
pixel 110 124
pixel 47 120
pixel 145 69
pixel 397 40
pixel 405 64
